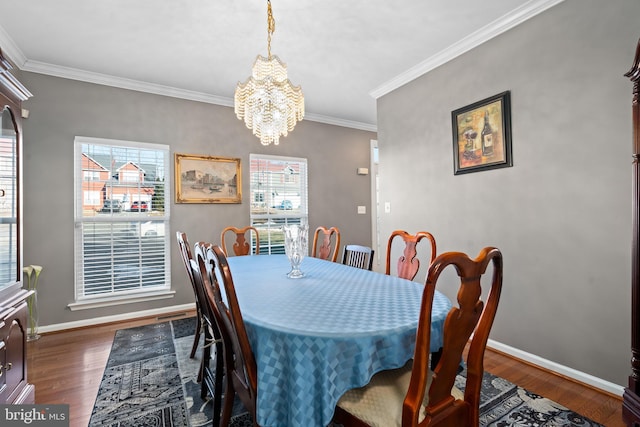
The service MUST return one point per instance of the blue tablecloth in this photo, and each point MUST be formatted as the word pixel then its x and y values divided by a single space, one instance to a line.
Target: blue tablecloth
pixel 316 337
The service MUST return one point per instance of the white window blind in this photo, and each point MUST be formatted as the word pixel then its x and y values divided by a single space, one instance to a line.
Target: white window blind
pixel 121 250
pixel 278 197
pixel 8 207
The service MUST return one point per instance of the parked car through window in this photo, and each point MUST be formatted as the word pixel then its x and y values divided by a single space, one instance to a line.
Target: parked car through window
pixel 111 206
pixel 138 206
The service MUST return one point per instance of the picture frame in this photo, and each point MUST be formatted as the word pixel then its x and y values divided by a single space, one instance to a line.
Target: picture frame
pixel 482 135
pixel 207 179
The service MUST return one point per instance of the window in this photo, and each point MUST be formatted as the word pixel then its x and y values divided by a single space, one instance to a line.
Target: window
pixel 8 206
pixel 278 197
pixel 130 176
pixel 92 198
pixel 121 224
pixel 91 175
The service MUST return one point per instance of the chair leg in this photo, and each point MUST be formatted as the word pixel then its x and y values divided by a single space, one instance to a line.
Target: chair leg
pixel 196 338
pixel 204 363
pixel 218 382
pixel 229 395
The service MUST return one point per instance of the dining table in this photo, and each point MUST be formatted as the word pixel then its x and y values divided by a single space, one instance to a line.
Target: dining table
pixel 320 335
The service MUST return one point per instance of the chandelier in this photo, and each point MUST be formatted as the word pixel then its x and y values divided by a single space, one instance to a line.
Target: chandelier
pixel 267 102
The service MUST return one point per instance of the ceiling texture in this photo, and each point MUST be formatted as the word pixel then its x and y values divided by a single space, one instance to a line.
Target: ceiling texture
pixel 344 54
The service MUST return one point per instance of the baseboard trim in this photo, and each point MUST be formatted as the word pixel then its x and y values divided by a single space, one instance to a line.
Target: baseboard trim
pixel 116 318
pixel 599 383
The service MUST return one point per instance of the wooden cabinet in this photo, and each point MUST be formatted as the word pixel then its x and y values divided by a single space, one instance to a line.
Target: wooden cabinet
pixel 13 368
pixel 631 397
pixel 14 387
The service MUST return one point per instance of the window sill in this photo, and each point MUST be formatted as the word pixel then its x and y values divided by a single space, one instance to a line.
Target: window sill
pixel 126 299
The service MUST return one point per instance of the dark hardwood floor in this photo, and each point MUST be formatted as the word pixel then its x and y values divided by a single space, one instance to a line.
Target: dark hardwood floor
pixel 67 367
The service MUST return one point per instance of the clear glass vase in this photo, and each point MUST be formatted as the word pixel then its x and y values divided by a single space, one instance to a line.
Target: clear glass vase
pixel 296 247
pixel 32 317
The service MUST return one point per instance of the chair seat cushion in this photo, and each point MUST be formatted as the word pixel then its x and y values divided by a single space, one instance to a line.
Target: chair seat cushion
pixel 379 403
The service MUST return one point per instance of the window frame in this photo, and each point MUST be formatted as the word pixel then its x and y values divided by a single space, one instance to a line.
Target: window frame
pixel 157 221
pixel 264 190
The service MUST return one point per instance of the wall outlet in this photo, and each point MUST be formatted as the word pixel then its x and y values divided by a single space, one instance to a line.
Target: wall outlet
pixel 362 209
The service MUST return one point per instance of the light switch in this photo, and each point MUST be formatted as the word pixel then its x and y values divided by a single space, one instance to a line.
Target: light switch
pixel 362 209
pixel 387 207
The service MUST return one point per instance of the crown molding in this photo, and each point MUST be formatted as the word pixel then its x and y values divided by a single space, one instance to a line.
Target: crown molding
pixel 107 80
pixel 497 27
pixel 340 122
pixel 123 83
pixel 484 34
pixel 11 51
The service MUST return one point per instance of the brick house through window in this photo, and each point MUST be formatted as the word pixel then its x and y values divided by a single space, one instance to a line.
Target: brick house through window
pixel 123 182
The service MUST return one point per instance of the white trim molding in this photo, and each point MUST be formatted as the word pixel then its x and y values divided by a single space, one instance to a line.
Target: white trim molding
pixel 14 53
pixel 484 34
pixel 127 299
pixel 559 369
pixel 566 371
pixel 340 122
pixel 159 312
pixel 122 83
pixel 11 49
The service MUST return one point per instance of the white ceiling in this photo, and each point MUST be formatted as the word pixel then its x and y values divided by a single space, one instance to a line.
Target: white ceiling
pixel 344 54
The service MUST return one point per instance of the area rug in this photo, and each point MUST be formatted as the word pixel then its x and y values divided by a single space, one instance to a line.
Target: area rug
pixel 150 380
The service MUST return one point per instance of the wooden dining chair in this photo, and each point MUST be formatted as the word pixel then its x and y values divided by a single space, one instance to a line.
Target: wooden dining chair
pixel 240 365
pixel 416 396
pixel 358 256
pixel 326 249
pixel 211 378
pixel 185 254
pixel 241 245
pixel 408 263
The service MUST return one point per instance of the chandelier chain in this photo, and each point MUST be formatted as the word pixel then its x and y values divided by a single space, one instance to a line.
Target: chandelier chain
pixel 271 27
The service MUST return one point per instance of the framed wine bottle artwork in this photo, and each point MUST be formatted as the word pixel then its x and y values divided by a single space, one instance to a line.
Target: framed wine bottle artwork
pixel 482 135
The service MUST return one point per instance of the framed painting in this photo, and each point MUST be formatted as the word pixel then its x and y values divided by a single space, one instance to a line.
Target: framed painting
pixel 207 179
pixel 482 135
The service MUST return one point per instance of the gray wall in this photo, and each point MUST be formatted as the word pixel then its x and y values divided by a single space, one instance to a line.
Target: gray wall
pixel 62 109
pixel 562 214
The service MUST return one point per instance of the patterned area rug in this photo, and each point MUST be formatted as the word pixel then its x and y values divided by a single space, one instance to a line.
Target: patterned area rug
pixel 150 380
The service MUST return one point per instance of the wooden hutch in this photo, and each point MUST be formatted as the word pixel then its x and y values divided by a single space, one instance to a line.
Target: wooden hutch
pixel 631 397
pixel 14 388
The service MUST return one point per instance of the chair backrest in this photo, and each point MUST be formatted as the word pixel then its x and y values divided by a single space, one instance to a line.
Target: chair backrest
pixel 211 379
pixel 185 254
pixel 470 317
pixel 358 256
pixel 408 264
pixel 241 245
pixel 241 364
pixel 326 249
pixel 199 281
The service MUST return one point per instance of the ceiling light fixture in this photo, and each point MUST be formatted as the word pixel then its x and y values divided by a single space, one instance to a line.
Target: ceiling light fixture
pixel 267 102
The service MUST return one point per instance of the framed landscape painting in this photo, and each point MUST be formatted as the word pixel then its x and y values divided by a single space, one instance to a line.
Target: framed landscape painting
pixel 482 135
pixel 207 179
